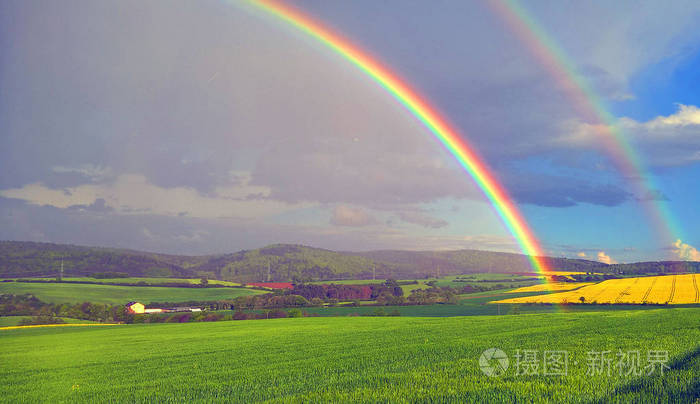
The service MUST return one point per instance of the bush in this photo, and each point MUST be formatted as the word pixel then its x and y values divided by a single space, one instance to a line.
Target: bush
pixel 38 320
pixel 277 313
pixel 239 315
pixel 379 312
pixel 294 313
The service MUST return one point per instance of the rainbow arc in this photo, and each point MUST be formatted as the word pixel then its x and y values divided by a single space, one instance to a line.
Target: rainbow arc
pixel 421 109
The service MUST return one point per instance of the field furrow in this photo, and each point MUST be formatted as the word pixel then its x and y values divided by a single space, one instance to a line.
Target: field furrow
pixel 684 291
pixel 695 285
pixel 646 295
pixel 661 292
pixel 636 294
pixel 626 292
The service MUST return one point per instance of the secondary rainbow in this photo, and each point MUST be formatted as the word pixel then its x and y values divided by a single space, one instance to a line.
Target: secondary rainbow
pixel 427 115
pixel 592 108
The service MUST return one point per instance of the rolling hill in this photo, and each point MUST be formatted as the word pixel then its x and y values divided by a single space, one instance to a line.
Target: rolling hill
pixel 286 262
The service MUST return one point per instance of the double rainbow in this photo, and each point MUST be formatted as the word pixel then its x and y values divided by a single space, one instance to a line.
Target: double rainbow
pixel 428 116
pixel 591 108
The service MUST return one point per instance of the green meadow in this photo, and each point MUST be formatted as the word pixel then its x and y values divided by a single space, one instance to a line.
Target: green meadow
pixel 149 281
pixel 360 359
pixel 112 294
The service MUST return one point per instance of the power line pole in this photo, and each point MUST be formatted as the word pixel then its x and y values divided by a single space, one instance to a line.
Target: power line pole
pixel 60 273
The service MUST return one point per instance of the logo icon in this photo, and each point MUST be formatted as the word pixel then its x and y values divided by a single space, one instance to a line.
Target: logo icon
pixel 493 362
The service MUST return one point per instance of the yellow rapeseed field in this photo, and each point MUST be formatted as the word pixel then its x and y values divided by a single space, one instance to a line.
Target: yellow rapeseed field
pixel 554 286
pixel 671 289
pixel 686 290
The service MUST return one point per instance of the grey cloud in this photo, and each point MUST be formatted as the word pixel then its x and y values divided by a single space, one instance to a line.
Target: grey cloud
pixel 422 219
pixel 99 206
pixel 187 235
pixel 557 191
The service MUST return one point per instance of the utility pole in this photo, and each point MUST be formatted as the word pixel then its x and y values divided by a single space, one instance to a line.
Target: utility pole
pixel 268 271
pixel 60 273
pixel 374 272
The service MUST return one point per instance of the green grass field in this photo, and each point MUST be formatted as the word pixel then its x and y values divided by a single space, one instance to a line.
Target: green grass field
pixel 348 360
pixel 150 281
pixel 110 294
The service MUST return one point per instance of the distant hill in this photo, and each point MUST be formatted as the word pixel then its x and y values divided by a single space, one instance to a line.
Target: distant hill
pixel 285 262
pixel 464 261
pixel 23 258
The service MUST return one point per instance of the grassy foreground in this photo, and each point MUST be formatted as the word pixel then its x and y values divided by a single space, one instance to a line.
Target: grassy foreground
pixel 347 359
pixel 111 294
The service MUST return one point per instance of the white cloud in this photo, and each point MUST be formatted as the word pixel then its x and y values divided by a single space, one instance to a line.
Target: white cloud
pixel 134 193
pixel 605 258
pixel 344 215
pixel 686 252
pixel 665 140
pixel 581 254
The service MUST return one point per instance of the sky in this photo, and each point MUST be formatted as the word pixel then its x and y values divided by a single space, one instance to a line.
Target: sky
pixel 209 127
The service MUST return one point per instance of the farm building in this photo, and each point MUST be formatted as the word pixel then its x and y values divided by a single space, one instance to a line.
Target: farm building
pixel 135 308
pixel 139 308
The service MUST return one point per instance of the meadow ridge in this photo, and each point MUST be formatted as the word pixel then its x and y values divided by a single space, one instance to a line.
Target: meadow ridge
pixel 112 294
pixel 670 289
pixel 348 359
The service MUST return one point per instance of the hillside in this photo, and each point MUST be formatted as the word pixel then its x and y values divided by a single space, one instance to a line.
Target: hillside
pixel 465 261
pixel 22 258
pixel 285 262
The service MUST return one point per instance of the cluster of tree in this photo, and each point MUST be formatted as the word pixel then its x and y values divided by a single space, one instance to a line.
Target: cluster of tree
pixel 332 291
pixel 659 268
pixel 445 295
pixel 432 295
pixel 247 302
pixel 474 280
pixel 590 277
pixel 29 305
pixel 208 316
pixel 39 320
pixel 467 289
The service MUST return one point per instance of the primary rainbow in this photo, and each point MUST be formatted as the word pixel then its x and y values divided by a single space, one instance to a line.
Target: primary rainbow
pixel 592 108
pixel 419 107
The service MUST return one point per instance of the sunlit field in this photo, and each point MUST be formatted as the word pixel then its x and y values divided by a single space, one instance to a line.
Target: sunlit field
pixel 350 359
pixel 672 289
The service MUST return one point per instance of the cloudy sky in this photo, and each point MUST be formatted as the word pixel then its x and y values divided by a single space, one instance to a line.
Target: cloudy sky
pixel 209 126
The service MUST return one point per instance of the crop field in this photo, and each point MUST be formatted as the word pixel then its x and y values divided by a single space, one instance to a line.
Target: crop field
pixel 554 286
pixel 670 289
pixel 112 294
pixel 349 359
pixel 149 281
